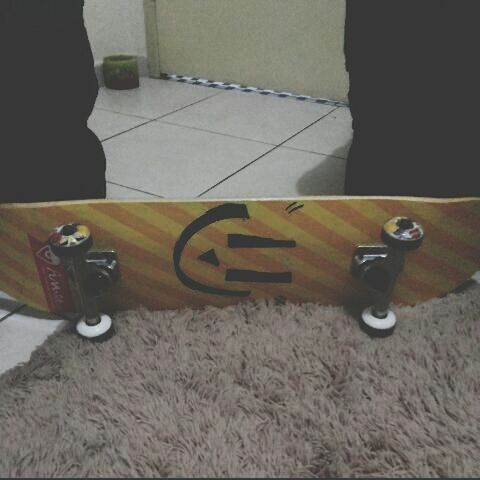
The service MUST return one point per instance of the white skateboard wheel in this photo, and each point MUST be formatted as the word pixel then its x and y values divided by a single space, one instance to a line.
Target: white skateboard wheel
pixel 94 331
pixel 376 323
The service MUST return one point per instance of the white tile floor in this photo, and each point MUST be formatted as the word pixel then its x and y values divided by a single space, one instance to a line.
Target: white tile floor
pixel 175 140
pixel 226 143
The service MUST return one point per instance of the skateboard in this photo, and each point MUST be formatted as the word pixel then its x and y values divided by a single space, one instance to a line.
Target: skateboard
pixel 164 254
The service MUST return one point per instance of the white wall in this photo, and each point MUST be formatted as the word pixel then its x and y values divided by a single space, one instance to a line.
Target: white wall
pixel 292 45
pixel 115 27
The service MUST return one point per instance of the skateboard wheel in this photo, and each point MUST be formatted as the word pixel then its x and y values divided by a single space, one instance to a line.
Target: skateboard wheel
pixel 403 233
pixel 378 327
pixel 102 330
pixel 71 240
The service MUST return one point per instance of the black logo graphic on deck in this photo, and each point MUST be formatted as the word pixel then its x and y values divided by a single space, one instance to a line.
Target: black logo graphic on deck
pixel 293 207
pixel 210 257
pixel 235 241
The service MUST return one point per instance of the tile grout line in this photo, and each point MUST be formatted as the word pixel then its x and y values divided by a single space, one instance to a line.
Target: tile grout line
pixel 116 112
pixel 126 131
pixel 155 119
pixel 250 139
pixel 188 106
pixel 215 133
pixel 266 153
pixel 135 189
pixel 13 312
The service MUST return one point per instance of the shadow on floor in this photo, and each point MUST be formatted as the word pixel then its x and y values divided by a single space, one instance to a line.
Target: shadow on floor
pixel 327 178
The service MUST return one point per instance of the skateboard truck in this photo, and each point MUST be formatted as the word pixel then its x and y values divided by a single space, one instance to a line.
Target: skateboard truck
pixel 378 267
pixel 91 275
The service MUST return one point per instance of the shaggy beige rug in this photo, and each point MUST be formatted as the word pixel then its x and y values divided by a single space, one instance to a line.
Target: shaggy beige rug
pixel 253 390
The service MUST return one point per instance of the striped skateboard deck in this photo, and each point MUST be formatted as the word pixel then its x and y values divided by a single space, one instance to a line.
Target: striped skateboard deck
pixel 192 253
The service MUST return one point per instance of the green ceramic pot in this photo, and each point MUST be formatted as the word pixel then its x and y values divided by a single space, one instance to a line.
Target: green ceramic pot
pixel 120 72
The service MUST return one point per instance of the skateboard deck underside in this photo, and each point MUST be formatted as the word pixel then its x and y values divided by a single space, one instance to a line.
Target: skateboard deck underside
pixel 176 254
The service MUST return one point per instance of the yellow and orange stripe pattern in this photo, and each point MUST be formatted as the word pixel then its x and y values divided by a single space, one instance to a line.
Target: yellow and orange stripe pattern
pixel 326 231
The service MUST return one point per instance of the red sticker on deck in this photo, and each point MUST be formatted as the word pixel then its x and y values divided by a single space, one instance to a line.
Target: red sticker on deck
pixel 53 276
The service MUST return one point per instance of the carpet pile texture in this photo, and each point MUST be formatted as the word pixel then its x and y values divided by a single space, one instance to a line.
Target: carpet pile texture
pixel 254 390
